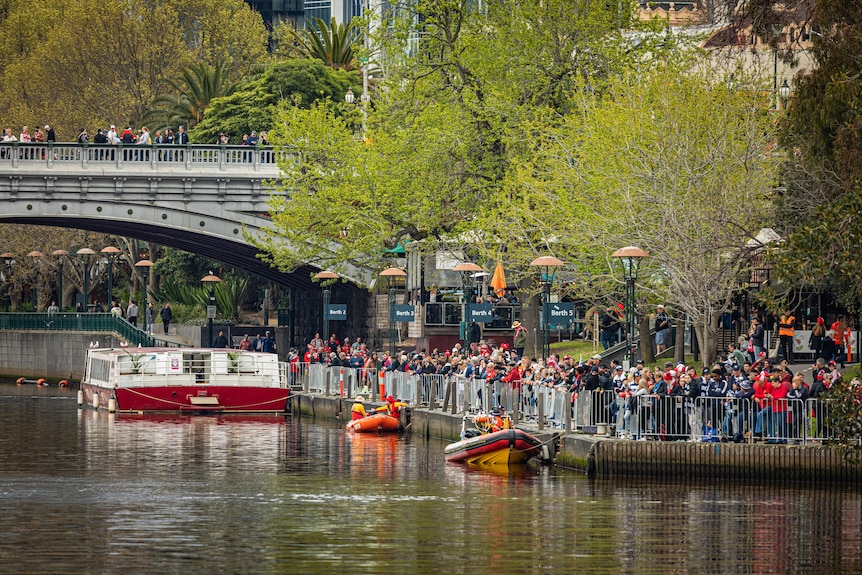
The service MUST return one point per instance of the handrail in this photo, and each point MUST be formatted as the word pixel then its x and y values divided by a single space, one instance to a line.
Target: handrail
pixel 98 156
pixel 95 322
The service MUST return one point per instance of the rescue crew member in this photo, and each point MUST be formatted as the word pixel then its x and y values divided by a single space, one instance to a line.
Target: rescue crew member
pixel 358 410
pixel 392 406
pixel 786 329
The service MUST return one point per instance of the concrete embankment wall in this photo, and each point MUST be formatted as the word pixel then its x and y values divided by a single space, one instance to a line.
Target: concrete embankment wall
pixel 48 354
pixel 612 458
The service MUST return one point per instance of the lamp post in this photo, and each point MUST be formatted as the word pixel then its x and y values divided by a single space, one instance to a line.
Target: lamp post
pixel 60 254
pixel 8 260
pixel 144 266
pixel 85 254
pixel 630 256
pixel 467 271
pixel 325 276
pixel 211 308
pixel 112 254
pixel 784 92
pixel 389 274
pixel 34 258
pixel 546 264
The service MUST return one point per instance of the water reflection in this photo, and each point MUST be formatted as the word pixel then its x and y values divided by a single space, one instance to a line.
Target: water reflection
pixel 85 492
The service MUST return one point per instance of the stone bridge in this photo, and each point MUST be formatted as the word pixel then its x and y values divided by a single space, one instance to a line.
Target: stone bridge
pixel 197 198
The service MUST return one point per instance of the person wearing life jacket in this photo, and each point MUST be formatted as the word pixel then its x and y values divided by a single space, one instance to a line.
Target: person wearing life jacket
pixel 392 406
pixel 786 330
pixel 358 409
pixel 499 421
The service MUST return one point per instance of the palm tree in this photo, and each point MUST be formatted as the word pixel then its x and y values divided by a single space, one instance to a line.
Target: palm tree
pixel 332 44
pixel 191 95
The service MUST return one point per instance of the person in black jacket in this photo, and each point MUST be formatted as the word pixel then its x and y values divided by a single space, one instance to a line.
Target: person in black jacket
pixel 167 315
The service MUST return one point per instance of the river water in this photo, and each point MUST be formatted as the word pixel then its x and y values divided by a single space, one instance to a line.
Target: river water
pixel 88 492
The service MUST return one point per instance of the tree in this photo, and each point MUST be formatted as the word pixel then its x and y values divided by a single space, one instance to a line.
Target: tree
pixel 252 106
pixel 333 44
pixel 92 63
pixel 199 84
pixel 442 128
pixel 671 163
pixel 820 210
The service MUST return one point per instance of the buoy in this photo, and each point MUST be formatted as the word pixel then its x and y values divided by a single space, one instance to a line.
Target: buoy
pixel 95 400
pixel 80 398
pixel 112 405
pixel 63 383
pixel 41 381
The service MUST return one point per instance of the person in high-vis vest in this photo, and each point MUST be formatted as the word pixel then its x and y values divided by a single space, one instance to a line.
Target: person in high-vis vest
pixel 786 329
pixel 358 409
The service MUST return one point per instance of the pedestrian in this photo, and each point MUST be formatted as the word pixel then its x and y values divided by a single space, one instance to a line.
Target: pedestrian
pixel 267 344
pixel 245 344
pixel 50 134
pixel 167 315
pixel 53 309
pixel 132 313
pixel 662 329
pixel 220 341
pixel 150 318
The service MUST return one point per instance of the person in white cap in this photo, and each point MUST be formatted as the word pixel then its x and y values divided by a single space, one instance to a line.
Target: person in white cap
pixel 662 329
pixel 358 409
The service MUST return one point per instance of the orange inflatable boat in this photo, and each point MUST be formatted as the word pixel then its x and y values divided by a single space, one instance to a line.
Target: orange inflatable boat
pixel 377 422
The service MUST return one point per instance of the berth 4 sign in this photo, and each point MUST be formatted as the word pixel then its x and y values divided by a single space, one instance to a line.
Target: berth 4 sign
pixel 480 313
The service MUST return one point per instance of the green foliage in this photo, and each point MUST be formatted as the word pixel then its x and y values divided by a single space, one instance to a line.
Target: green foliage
pixel 90 63
pixel 821 207
pixel 253 105
pixel 844 418
pixel 198 85
pixel 229 293
pixel 333 44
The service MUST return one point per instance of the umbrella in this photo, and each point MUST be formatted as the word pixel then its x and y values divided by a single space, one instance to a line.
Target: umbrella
pixel 498 282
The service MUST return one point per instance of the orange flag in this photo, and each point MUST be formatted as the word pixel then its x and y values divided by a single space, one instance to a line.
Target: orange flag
pixel 498 282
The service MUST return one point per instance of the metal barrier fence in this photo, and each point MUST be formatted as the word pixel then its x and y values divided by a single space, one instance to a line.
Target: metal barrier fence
pixel 703 419
pixel 95 322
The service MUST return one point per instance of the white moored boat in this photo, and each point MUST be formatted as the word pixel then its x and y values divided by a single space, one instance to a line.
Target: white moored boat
pixel 185 380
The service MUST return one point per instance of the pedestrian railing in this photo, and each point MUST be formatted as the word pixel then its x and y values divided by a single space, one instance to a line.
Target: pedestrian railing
pixel 51 154
pixel 645 417
pixel 89 322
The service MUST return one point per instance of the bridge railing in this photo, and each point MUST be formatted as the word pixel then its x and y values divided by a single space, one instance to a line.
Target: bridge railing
pixel 95 322
pixel 49 155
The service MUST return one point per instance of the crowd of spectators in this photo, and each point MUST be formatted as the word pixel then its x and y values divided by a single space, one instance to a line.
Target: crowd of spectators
pixel 736 399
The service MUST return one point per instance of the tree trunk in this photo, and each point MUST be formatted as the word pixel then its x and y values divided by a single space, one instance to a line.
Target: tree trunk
pixel 706 336
pixel 679 342
pixel 530 319
pixel 647 352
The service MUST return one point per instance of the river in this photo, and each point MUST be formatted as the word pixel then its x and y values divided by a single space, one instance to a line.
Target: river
pixel 88 492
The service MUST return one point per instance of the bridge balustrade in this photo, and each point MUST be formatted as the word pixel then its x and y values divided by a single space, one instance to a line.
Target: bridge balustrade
pixel 16 154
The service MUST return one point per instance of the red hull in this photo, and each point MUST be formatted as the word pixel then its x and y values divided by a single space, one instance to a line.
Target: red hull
pixel 506 446
pixel 215 399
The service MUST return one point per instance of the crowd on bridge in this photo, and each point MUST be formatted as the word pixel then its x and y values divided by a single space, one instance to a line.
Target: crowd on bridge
pixel 128 136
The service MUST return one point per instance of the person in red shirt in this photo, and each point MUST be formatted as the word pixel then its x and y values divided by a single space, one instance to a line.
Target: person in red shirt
pixel 777 427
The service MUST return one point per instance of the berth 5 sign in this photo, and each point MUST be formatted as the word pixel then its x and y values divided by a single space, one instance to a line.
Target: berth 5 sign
pixel 561 313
